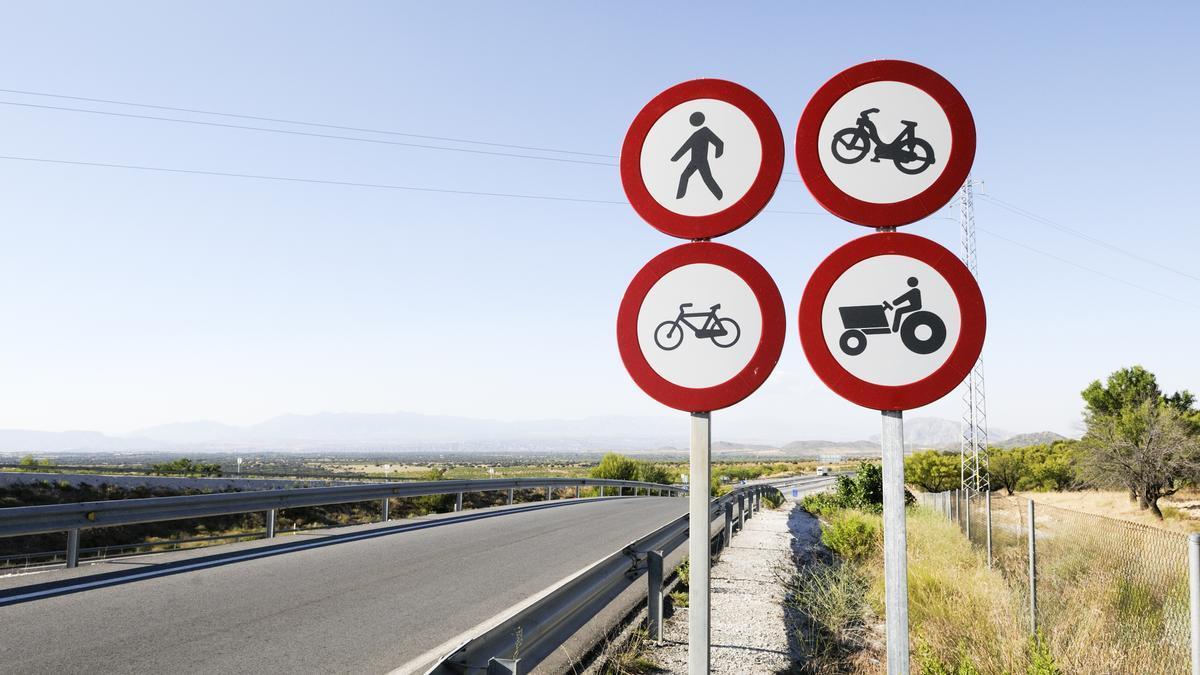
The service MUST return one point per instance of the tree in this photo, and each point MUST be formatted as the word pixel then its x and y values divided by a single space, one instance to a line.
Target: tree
pixel 933 471
pixel 616 467
pixel 1139 438
pixel 1007 469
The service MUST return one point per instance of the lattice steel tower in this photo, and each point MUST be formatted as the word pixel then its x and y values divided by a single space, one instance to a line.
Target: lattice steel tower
pixel 973 453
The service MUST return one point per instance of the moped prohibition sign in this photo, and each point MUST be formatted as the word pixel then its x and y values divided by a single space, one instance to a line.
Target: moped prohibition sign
pixel 701 326
pixel 892 321
pixel 702 159
pixel 885 143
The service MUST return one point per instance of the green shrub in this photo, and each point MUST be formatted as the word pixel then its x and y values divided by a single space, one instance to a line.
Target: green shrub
pixel 852 535
pixel 773 498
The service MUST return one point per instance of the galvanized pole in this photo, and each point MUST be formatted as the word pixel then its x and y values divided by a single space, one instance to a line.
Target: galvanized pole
pixel 1032 572
pixel 1194 583
pixel 601 490
pixel 987 503
pixel 895 543
pixel 510 495
pixel 967 520
pixel 271 524
pixel 698 555
pixel 458 502
pixel 384 510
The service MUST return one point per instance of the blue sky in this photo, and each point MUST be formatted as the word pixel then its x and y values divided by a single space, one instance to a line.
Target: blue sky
pixel 133 298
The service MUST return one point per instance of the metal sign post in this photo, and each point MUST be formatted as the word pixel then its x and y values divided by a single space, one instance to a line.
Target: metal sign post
pixel 895 543
pixel 698 551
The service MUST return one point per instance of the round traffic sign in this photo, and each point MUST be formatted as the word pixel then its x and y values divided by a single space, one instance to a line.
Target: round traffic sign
pixel 702 159
pixel 892 321
pixel 701 326
pixel 885 143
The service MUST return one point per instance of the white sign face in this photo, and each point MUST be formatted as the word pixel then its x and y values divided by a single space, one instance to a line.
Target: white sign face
pixel 884 142
pixel 699 325
pixel 891 320
pixel 700 157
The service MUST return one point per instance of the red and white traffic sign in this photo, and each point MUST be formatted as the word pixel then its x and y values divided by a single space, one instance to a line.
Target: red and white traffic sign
pixel 885 143
pixel 701 326
pixel 892 321
pixel 702 159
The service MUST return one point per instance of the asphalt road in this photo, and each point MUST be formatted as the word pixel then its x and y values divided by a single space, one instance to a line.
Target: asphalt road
pixel 380 597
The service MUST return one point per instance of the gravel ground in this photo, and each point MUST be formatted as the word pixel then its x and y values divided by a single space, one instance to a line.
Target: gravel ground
pixel 750 628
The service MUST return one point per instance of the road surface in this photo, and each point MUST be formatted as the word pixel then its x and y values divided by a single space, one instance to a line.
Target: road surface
pixel 380 597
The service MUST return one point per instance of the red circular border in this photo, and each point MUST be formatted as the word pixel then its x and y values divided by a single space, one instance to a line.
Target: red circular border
pixel 756 371
pixel 934 197
pixel 736 214
pixel 915 394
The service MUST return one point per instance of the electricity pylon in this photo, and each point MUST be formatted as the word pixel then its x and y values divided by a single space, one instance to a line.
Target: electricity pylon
pixel 973 453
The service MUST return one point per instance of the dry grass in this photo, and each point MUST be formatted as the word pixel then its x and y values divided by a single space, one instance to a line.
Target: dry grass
pixel 1184 507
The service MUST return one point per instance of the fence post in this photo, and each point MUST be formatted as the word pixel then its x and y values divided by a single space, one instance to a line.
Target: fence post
pixel 271 524
pixel 654 572
pixel 1194 583
pixel 987 504
pixel 1032 572
pixel 967 520
pixel 510 496
pixel 384 509
pixel 458 502
pixel 73 548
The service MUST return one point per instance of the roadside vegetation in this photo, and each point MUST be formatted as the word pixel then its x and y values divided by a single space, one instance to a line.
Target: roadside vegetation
pixel 963 617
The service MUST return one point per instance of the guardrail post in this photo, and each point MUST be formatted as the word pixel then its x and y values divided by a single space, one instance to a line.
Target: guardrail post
pixel 728 523
pixel 510 496
pixel 73 548
pixel 987 504
pixel 458 502
pixel 601 490
pixel 654 572
pixel 577 492
pixel 1194 587
pixel 385 509
pixel 498 666
pixel 549 494
pixel 1032 572
pixel 270 518
pixel 741 512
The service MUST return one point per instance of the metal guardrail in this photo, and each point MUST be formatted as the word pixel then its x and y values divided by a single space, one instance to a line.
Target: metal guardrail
pixel 70 518
pixel 526 637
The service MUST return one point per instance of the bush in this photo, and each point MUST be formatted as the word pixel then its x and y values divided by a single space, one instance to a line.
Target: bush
pixel 834 614
pixel 862 491
pixel 853 535
pixel 773 498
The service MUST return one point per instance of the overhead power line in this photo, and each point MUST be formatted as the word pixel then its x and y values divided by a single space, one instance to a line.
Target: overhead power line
pixel 323 181
pixel 310 134
pixel 1030 215
pixel 281 120
pixel 323 125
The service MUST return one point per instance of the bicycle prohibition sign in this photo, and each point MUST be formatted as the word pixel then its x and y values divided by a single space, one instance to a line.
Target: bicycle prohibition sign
pixel 724 332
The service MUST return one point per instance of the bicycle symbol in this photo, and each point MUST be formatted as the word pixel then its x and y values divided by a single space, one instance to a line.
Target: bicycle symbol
pixel 724 332
pixel 910 154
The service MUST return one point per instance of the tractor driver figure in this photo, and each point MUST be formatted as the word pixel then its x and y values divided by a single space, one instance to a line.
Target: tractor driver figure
pixel 911 299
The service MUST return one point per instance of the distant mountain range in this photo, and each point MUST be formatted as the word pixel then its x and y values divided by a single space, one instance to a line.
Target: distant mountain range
pixel 398 432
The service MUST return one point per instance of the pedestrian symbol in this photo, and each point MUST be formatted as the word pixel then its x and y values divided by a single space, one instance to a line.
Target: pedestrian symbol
pixel 698 144
pixel 702 159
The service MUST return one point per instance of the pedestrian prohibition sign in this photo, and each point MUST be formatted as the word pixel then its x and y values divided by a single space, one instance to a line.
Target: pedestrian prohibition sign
pixel 885 143
pixel 702 159
pixel 701 326
pixel 892 321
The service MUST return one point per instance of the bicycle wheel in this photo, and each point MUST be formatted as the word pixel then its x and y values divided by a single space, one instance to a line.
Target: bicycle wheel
pixel 669 339
pixel 853 142
pixel 732 333
pixel 928 345
pixel 914 157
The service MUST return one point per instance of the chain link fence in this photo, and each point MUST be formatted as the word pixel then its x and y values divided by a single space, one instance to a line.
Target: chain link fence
pixel 1105 595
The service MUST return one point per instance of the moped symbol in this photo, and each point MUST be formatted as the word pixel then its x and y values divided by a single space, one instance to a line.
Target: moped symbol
pixel 910 154
pixel 863 320
pixel 724 332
